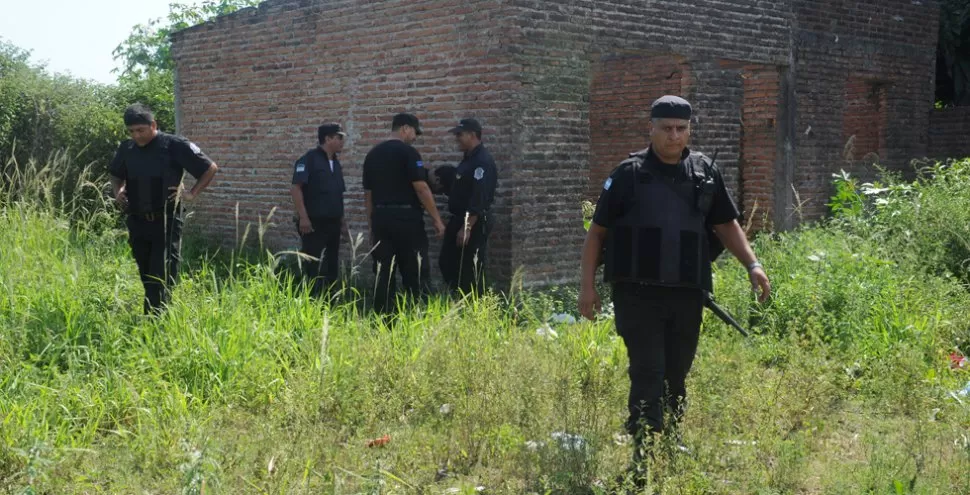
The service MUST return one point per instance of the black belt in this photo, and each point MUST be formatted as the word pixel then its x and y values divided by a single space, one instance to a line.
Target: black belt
pixel 156 216
pixel 397 206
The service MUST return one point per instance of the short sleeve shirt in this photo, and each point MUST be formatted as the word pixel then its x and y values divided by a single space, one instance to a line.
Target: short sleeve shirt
pixel 390 168
pixel 185 155
pixel 475 182
pixel 617 195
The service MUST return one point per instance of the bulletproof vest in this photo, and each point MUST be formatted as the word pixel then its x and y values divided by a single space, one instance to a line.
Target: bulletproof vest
pixel 150 174
pixel 323 194
pixel 460 194
pixel 662 238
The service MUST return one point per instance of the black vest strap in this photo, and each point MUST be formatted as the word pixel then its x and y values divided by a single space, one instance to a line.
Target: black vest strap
pixel 663 239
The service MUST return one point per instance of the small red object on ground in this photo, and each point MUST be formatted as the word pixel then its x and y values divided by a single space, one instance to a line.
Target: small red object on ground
pixel 379 442
pixel 958 361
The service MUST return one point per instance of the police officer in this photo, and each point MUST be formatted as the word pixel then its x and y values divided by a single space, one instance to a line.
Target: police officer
pixel 654 216
pixel 462 258
pixel 395 191
pixel 318 197
pixel 146 175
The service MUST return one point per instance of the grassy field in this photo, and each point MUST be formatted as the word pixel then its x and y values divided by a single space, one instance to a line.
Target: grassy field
pixel 247 385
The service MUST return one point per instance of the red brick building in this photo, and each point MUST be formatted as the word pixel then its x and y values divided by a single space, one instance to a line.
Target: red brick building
pixel 789 91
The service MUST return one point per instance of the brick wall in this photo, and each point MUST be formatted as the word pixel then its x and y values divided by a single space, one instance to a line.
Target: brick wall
pixel 621 92
pixel 253 87
pixel 760 133
pixel 850 58
pixel 779 88
pixel 570 55
pixel 863 123
pixel 949 133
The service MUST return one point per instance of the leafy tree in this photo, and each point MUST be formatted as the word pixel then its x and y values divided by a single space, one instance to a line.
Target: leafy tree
pixel 153 88
pixel 147 74
pixel 148 47
pixel 42 113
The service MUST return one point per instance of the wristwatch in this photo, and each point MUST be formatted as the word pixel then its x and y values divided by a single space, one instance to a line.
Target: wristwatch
pixel 754 265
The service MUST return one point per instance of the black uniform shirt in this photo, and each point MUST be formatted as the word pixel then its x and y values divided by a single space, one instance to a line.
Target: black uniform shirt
pixel 475 182
pixel 151 170
pixel 618 194
pixel 389 170
pixel 184 155
pixel 322 183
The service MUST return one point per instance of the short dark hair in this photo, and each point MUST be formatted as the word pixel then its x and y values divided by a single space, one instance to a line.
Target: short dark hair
pixel 446 175
pixel 403 119
pixel 329 129
pixel 138 114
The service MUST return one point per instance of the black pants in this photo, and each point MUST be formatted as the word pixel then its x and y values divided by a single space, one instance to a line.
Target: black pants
pixel 323 244
pixel 401 246
pixel 660 327
pixel 463 268
pixel 156 243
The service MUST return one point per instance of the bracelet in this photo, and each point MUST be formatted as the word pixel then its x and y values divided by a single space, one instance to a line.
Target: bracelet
pixel 754 265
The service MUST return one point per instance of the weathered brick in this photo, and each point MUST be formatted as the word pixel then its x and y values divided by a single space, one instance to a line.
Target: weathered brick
pixel 564 88
pixel 950 133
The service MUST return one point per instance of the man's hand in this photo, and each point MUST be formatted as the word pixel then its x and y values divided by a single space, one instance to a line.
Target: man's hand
pixel 439 229
pixel 178 193
pixel 305 226
pixel 759 281
pixel 464 235
pixel 122 198
pixel 589 303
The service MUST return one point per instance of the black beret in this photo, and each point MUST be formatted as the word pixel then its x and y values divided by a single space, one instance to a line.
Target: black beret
pixel 670 107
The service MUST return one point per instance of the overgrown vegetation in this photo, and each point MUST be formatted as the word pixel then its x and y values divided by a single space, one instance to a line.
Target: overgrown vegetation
pixel 247 385
pixel 42 114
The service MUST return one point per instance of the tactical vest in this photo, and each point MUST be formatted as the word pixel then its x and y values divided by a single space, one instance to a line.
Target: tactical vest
pixel 662 238
pixel 150 175
pixel 323 194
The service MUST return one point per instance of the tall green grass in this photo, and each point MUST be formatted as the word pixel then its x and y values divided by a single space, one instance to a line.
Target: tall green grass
pixel 248 385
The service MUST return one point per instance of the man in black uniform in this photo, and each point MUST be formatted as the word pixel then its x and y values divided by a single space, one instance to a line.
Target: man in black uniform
pixel 462 259
pixel 654 216
pixel 395 190
pixel 318 197
pixel 146 174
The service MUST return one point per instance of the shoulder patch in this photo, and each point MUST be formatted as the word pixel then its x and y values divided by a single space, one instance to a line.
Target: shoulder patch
pixel 300 167
pixel 195 148
pixel 607 184
pixel 420 164
pixel 479 173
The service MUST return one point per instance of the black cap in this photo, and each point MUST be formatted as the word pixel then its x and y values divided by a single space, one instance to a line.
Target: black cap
pixel 406 119
pixel 467 125
pixel 330 129
pixel 670 107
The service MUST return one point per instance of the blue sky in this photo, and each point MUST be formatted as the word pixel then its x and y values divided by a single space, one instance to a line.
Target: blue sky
pixel 76 36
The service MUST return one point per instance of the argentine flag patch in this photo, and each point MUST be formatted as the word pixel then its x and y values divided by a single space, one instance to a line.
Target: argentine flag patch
pixel 609 182
pixel 300 167
pixel 420 164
